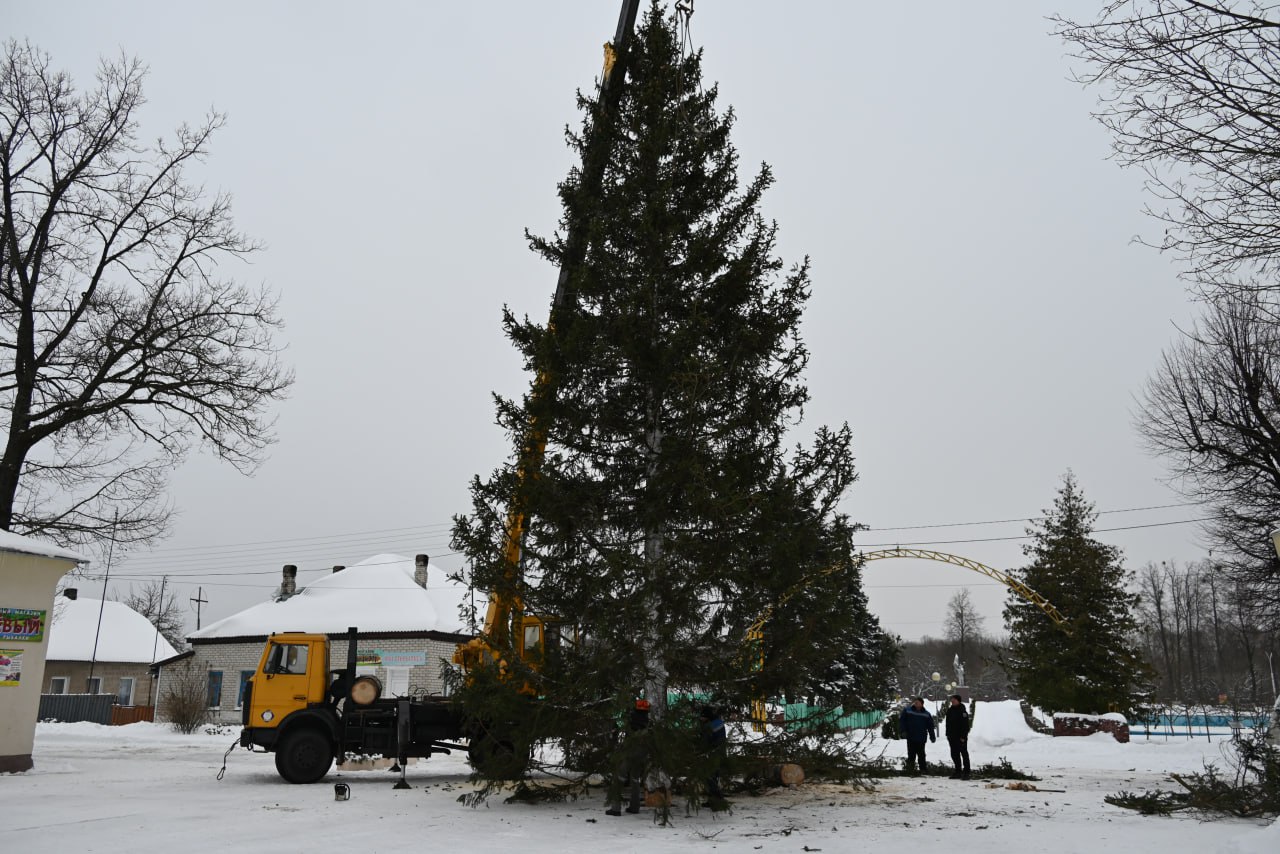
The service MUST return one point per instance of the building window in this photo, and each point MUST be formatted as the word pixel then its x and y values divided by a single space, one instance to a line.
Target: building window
pixel 58 685
pixel 124 694
pixel 244 686
pixel 215 689
pixel 94 685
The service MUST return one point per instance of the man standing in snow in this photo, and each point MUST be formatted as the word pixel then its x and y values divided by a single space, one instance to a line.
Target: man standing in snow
pixel 916 724
pixel 958 737
pixel 630 765
pixel 715 741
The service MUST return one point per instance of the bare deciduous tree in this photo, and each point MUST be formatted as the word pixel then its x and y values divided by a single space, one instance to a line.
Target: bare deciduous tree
pixel 1192 96
pixel 186 697
pixel 159 605
pixel 1155 617
pixel 963 624
pixel 1212 411
pixel 121 344
pixel 1205 634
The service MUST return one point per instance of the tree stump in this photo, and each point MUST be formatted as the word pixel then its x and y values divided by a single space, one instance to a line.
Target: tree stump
pixel 786 774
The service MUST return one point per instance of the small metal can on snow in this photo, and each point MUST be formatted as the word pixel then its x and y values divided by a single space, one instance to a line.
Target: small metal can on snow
pixel 341 792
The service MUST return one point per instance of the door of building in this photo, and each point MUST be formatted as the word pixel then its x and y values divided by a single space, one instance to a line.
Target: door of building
pixel 398 681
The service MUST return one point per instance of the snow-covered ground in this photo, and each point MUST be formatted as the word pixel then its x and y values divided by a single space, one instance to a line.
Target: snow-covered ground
pixel 142 788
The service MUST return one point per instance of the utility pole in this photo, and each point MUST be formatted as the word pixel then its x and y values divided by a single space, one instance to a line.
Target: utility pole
pixel 164 580
pixel 106 579
pixel 199 600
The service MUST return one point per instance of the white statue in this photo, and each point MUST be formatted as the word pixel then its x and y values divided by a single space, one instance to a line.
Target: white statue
pixel 959 670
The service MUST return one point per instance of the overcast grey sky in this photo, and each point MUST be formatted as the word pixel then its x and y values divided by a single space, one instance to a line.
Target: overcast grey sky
pixel 980 315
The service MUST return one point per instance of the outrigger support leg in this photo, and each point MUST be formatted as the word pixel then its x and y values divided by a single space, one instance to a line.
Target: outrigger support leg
pixel 403 711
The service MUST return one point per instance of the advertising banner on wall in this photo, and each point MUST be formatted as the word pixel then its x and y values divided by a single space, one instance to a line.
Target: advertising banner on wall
pixel 10 667
pixel 402 659
pixel 21 624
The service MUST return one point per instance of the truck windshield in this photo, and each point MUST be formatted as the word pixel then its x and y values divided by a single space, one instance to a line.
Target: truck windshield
pixel 288 658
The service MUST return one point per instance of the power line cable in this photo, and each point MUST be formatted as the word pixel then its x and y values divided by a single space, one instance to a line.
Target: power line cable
pixel 1030 518
pixel 913 586
pixel 436 528
pixel 1029 536
pixel 193 560
pixel 286 543
pixel 195 577
pixel 318 544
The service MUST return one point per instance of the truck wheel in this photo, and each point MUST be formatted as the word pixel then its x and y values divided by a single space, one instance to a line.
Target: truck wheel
pixel 497 759
pixel 304 756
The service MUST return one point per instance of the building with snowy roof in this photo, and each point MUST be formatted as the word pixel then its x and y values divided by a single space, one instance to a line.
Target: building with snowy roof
pixel 407 611
pixel 98 647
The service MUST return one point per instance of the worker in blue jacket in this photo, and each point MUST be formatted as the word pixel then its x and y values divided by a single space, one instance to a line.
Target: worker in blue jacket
pixel 715 742
pixel 916 724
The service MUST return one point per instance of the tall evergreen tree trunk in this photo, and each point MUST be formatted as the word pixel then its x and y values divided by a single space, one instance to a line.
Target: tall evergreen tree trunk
pixel 655 665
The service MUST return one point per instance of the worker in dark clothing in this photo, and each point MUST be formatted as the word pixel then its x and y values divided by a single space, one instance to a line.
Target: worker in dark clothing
pixel 715 741
pixel 916 725
pixel 630 765
pixel 958 725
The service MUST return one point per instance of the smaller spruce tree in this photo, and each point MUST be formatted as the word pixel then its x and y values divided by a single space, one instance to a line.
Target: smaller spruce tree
pixel 1094 666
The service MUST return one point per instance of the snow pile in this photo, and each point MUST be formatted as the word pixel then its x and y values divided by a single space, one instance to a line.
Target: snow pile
pixel 1109 716
pixel 125 635
pixel 1265 841
pixel 123 737
pixel 1000 724
pixel 378 594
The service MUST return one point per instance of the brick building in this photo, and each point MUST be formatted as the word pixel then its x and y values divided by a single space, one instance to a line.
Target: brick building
pixel 407 612
pixel 109 640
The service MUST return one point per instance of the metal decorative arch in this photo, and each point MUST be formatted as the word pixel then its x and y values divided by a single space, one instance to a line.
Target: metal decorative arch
pixel 1003 577
pixel 753 639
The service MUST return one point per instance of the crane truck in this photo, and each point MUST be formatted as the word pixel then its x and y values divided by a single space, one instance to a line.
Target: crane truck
pixel 309 716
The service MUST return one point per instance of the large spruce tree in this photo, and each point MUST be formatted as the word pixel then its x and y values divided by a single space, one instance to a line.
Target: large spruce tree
pixel 668 515
pixel 1095 665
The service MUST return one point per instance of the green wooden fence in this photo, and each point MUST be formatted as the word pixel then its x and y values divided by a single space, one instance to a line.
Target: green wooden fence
pixel 799 715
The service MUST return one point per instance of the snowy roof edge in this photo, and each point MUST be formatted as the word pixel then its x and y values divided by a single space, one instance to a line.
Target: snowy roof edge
pixel 22 544
pixel 372 634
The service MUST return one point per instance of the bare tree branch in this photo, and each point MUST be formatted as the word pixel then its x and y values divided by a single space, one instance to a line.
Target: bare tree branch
pixel 160 606
pixel 1191 95
pixel 1212 412
pixel 121 343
